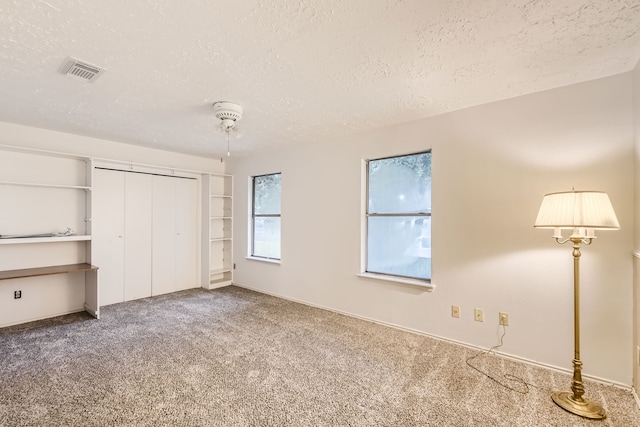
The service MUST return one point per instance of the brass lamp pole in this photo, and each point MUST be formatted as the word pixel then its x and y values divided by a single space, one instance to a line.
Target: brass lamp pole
pixel 583 212
pixel 575 402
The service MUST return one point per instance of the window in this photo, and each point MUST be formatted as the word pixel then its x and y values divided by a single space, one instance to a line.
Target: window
pixel 398 216
pixel 265 216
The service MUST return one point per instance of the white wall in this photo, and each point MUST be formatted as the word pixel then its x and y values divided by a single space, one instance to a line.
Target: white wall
pixel 636 125
pixel 44 139
pixel 492 165
pixel 636 245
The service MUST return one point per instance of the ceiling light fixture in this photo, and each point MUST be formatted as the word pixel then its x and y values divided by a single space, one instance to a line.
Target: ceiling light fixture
pixel 229 114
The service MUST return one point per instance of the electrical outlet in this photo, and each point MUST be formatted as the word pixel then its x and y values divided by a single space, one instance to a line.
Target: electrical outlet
pixel 478 315
pixel 455 311
pixel 17 294
pixel 503 318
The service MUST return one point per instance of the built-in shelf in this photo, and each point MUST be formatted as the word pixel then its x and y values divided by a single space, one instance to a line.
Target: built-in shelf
pixel 39 152
pixel 45 271
pixel 35 184
pixel 223 281
pixel 45 192
pixel 220 282
pixel 217 218
pixel 25 240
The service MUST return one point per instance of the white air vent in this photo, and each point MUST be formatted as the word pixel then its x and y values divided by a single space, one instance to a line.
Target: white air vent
pixel 81 70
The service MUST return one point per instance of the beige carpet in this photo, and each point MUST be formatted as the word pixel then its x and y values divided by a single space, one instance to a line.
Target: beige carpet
pixel 233 357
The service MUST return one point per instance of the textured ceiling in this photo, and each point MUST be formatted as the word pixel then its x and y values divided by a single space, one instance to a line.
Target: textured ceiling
pixel 304 70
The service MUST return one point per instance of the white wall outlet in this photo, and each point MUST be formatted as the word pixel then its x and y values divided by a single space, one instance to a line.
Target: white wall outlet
pixel 478 315
pixel 503 318
pixel 455 311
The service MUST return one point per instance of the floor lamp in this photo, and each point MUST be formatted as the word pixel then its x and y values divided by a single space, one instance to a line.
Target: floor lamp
pixel 582 212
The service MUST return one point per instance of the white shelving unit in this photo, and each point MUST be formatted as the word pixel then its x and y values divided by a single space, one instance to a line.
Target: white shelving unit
pixel 217 219
pixel 45 192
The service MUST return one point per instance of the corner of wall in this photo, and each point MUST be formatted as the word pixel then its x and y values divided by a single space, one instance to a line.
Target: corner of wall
pixel 636 225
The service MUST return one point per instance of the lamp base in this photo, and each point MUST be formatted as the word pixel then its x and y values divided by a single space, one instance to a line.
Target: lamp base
pixel 585 408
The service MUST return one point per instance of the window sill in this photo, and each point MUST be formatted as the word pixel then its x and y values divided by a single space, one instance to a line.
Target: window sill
pixel 267 260
pixel 402 280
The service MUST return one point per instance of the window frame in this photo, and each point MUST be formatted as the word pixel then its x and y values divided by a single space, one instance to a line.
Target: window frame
pixel 253 216
pixel 364 272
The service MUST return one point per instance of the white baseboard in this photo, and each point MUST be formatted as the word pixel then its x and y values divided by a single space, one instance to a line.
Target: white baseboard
pixel 417 332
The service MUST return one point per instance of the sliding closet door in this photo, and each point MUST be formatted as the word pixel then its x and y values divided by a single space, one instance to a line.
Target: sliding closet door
pixel 164 232
pixel 107 248
pixel 186 254
pixel 137 246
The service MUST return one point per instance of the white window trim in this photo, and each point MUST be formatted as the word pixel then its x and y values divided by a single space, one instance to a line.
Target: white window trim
pixel 425 284
pixel 428 286
pixel 267 260
pixel 363 218
pixel 250 256
pixel 249 217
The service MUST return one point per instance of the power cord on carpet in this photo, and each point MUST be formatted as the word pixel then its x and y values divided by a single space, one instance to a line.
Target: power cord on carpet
pixel 525 385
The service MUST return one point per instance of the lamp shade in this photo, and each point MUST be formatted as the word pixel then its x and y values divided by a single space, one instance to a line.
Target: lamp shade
pixel 588 209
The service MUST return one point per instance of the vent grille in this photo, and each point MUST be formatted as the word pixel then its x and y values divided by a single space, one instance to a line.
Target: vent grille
pixel 231 115
pixel 225 110
pixel 81 70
